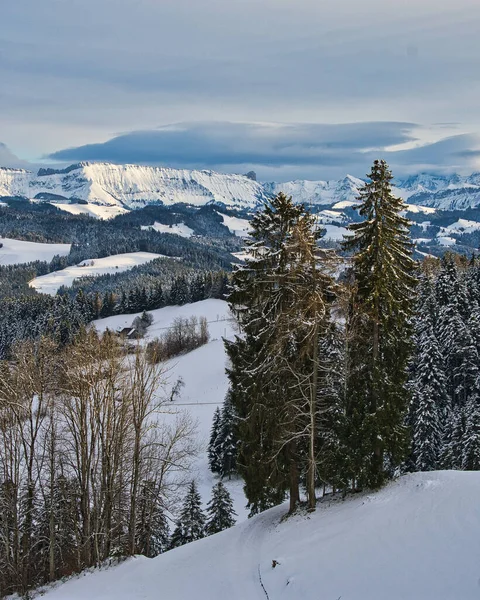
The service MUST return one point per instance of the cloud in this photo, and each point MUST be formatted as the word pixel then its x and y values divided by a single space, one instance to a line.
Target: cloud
pixel 282 151
pixel 106 66
pixel 213 144
pixel 8 159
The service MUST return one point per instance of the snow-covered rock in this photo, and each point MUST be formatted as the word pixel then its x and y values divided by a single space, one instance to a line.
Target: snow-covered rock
pixel 131 186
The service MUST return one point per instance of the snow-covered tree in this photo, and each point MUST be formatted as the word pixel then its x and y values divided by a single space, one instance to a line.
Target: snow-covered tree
pixel 385 280
pixel 214 454
pixel 191 522
pixel 220 512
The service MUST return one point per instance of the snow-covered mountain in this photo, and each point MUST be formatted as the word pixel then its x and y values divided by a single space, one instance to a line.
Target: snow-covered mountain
pixel 126 187
pixel 446 192
pixel 323 193
pixel 131 186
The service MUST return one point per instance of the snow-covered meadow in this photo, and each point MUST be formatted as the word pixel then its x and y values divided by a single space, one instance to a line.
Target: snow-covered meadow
pixel 15 252
pixel 203 373
pixel 50 283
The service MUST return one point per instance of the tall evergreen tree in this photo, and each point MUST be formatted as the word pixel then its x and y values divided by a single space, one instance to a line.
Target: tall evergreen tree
pixel 385 280
pixel 214 454
pixel 220 512
pixel 191 523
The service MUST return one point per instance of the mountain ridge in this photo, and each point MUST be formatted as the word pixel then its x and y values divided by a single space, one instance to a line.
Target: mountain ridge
pixel 129 186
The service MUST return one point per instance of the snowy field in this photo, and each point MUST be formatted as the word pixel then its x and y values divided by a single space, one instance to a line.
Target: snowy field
pixel 203 372
pixel 93 210
pixel 178 228
pixel 49 284
pixel 16 252
pixel 417 539
pixel 239 227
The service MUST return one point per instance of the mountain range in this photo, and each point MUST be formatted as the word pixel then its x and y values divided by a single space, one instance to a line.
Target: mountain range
pixel 127 187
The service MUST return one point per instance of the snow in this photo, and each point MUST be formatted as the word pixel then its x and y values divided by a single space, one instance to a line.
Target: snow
pixel 49 284
pixel 133 186
pixel 177 228
pixel 446 240
pixel 240 227
pixel 462 226
pixel 416 208
pixel 203 372
pixel 15 252
pixel 418 539
pixel 93 210
pixel 334 232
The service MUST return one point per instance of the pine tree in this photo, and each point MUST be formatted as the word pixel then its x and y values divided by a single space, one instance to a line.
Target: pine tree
pixel 471 439
pixel 214 455
pixel 220 513
pixel 191 523
pixel 384 276
pixel 227 440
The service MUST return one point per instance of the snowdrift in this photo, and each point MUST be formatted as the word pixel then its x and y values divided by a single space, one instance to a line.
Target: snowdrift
pixel 417 539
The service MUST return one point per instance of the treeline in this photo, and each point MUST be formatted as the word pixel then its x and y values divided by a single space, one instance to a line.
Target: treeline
pixel 184 335
pixel 444 414
pixel 319 376
pixel 95 238
pixel 62 316
pixel 87 472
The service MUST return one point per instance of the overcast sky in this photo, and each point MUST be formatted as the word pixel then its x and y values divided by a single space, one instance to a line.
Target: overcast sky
pixel 291 88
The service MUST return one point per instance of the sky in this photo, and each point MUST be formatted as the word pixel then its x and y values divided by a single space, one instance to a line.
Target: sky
pixel 289 88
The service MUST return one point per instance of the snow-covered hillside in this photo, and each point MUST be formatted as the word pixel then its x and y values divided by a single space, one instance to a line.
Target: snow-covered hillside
pixel 14 252
pixel 49 284
pixel 417 539
pixel 131 186
pixel 204 376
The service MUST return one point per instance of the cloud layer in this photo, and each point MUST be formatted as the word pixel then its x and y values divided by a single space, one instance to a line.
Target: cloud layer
pixel 280 151
pixel 81 70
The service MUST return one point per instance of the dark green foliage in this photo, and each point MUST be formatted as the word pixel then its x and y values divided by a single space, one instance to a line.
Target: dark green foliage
pixel 220 513
pixel 383 303
pixel 191 522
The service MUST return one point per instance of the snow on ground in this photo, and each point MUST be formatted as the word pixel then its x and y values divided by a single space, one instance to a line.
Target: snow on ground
pixel 203 372
pixel 14 252
pixel 334 232
pixel 240 227
pixel 416 208
pixel 446 240
pixel 344 204
pixel 461 226
pixel 49 284
pixel 93 210
pixel 178 228
pixel 417 539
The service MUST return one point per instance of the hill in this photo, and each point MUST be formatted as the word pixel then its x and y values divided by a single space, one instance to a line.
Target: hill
pixel 419 538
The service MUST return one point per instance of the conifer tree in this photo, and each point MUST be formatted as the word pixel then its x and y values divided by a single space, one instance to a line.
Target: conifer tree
pixel 385 281
pixel 191 523
pixel 214 455
pixel 227 440
pixel 220 513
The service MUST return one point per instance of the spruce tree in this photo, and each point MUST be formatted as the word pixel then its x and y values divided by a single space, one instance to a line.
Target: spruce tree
pixel 227 439
pixel 191 523
pixel 220 513
pixel 214 454
pixel 385 282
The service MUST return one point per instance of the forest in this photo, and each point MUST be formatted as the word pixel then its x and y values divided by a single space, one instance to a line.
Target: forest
pixel 348 369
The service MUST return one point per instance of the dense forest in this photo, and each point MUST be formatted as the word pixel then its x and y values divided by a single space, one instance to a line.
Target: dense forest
pixel 349 368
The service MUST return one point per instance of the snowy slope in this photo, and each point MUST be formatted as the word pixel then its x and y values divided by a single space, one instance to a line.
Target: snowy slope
pixel 177 228
pixel 49 284
pixel 203 372
pixel 417 539
pixel 15 251
pixel 131 186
